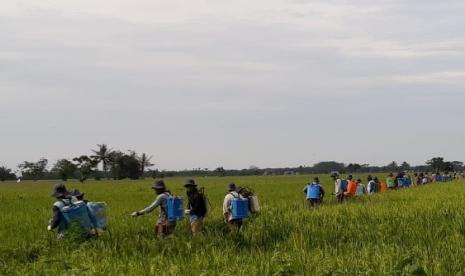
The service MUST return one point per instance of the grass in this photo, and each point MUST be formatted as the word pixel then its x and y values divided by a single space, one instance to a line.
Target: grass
pixel 411 231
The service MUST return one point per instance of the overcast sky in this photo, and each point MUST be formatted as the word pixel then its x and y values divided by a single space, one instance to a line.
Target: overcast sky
pixel 233 83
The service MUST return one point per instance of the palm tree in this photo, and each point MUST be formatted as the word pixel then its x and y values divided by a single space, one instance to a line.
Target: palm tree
pixel 103 154
pixel 144 161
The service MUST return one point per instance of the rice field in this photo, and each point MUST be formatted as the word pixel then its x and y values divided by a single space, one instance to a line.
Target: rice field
pixel 416 231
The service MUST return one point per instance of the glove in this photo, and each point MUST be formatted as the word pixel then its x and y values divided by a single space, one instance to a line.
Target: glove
pixel 135 214
pixel 49 228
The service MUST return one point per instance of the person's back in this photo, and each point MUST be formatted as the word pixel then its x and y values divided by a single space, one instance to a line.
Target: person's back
pixel 196 206
pixel 361 189
pixel 371 186
pixel 390 182
pixel 234 224
pixel 351 188
pixel 338 189
pixel 314 193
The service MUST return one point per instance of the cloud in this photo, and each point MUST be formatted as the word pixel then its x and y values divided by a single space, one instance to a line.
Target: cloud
pixel 264 82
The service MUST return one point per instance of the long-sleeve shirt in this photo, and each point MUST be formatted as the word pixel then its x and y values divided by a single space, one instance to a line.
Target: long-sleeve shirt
pixel 162 202
pixel 57 217
pixel 227 204
pixel 337 187
pixel 196 204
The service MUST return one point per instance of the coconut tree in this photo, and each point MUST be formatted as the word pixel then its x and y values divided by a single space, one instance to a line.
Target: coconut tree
pixel 145 163
pixel 103 155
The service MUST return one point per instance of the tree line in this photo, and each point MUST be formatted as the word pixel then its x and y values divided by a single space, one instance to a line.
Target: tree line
pixel 436 164
pixel 117 165
pixel 114 164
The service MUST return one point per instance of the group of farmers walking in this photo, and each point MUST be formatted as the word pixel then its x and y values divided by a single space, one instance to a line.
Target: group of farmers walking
pixel 349 188
pixel 70 206
pixel 64 209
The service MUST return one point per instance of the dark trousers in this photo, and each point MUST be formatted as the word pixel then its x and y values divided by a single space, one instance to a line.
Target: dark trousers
pixel 314 202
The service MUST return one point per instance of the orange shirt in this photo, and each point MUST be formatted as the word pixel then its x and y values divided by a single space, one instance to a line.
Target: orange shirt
pixel 351 187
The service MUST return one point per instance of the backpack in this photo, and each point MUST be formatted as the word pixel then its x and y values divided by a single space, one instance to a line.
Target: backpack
pixel 174 207
pixel 74 213
pixel 98 214
pixel 360 190
pixel 239 207
pixel 254 202
pixel 313 191
pixel 390 182
pixel 344 184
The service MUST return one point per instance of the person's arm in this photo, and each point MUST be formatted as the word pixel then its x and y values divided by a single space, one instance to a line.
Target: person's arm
pixel 56 219
pixel 150 208
pixel 322 191
pixel 226 206
pixel 305 190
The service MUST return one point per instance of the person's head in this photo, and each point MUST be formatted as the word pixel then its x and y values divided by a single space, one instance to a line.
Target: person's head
pixel 190 185
pixel 390 175
pixel 76 193
pixel 334 176
pixel 350 177
pixel 159 187
pixel 59 191
pixel 369 178
pixel 375 179
pixel 316 180
pixel 359 181
pixel 232 187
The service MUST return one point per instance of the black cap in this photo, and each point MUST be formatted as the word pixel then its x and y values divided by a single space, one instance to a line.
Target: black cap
pixel 316 179
pixel 59 190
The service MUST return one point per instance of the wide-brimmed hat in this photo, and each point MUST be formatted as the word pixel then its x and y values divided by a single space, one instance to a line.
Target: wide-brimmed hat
pixel 190 183
pixel 77 193
pixel 159 185
pixel 232 187
pixel 59 190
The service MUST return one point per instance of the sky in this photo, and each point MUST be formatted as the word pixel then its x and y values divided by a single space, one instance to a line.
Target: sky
pixel 203 84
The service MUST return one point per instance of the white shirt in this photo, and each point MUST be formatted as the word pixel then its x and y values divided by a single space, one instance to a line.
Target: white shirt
pixel 227 203
pixel 337 186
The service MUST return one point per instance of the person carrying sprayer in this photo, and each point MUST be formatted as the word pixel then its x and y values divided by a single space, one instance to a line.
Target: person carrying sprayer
pixel 338 191
pixel 351 187
pixel 361 188
pixel 71 211
pixel 314 193
pixel 372 186
pixel 196 207
pixel 391 182
pixel 163 227
pixel 235 224
pixel 63 198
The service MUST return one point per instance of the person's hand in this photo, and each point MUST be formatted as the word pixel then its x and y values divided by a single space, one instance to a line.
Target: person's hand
pixel 49 228
pixel 135 214
pixel 187 212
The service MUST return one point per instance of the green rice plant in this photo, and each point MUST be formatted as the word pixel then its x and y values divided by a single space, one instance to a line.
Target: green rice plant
pixel 415 231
